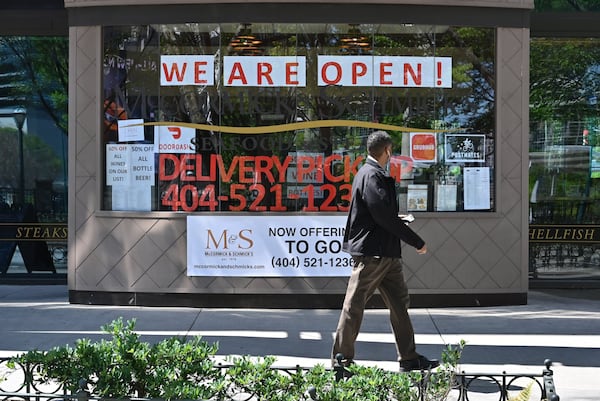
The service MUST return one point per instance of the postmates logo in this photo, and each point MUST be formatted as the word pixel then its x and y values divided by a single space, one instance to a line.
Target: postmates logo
pixel 423 147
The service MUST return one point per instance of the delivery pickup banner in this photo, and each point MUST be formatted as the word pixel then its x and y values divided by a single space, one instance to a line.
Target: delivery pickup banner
pixel 266 246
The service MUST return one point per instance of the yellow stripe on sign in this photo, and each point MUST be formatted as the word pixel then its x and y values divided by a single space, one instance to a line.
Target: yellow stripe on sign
pixel 271 129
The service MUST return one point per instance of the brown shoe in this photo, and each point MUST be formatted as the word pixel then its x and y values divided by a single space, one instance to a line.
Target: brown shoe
pixel 420 363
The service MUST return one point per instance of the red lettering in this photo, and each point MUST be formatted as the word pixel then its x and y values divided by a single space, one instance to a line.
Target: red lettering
pixel 237 72
pixel 264 70
pixel 282 167
pixel 245 170
pixel 263 165
pixel 163 159
pixel 251 169
pixel 319 162
pixel 174 71
pixel 304 165
pixel 383 73
pixel 338 72
pixel 198 72
pixel 185 167
pixel 212 173
pixel 291 70
pixel 225 174
pixel 358 70
pixel 408 70
pixel 351 167
pixel 329 173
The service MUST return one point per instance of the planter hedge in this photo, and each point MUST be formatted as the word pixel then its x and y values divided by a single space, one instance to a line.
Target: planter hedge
pixel 178 369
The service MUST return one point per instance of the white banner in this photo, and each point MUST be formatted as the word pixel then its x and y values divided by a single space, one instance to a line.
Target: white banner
pixel 290 71
pixel 193 69
pixel 267 246
pixel 392 71
pixel 264 71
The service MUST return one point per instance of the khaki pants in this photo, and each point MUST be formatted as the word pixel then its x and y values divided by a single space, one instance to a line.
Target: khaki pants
pixel 368 275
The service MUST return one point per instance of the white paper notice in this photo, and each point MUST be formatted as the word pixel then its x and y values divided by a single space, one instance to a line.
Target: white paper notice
pixel 477 188
pixel 445 197
pixel 130 172
pixel 118 165
pixel 130 131
pixel 131 198
pixel 142 165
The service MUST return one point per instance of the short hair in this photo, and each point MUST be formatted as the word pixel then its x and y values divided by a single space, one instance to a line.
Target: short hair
pixel 377 142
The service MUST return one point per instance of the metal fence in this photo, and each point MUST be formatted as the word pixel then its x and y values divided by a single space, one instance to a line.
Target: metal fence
pixel 22 383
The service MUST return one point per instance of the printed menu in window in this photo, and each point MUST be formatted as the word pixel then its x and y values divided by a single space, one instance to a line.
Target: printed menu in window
pixel 445 197
pixel 477 188
pixel 416 198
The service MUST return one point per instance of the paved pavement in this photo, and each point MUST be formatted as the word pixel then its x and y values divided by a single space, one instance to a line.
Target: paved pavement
pixel 561 325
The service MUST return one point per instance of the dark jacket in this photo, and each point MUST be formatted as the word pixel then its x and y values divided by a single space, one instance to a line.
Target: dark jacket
pixel 373 227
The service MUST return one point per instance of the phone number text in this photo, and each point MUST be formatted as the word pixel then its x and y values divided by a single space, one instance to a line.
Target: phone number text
pixel 310 262
pixel 190 198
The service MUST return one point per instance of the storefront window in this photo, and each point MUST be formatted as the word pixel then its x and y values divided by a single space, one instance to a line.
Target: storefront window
pixel 274 117
pixel 579 6
pixel 33 167
pixel 565 131
pixel 564 174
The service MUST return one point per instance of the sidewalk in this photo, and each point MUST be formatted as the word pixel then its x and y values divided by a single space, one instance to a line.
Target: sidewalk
pixel 560 325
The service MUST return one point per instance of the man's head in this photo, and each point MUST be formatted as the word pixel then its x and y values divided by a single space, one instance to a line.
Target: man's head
pixel 379 144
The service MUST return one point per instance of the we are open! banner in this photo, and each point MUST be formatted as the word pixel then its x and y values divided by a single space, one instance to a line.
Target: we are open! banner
pixel 290 71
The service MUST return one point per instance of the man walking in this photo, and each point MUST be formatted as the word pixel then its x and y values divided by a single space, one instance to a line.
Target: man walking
pixel 373 236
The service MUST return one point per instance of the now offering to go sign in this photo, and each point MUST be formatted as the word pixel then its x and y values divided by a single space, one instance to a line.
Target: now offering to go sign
pixel 267 246
pixel 291 71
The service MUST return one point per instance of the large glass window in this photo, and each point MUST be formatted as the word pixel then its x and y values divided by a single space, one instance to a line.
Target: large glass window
pixel 564 174
pixel 33 167
pixel 580 6
pixel 565 131
pixel 274 117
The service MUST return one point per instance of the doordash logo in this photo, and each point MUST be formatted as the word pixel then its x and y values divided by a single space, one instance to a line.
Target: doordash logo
pixel 171 139
pixel 176 132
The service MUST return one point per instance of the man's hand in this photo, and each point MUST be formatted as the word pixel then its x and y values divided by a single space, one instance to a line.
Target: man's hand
pixel 423 250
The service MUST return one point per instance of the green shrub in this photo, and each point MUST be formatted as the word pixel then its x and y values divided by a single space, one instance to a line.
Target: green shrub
pixel 174 369
pixel 124 366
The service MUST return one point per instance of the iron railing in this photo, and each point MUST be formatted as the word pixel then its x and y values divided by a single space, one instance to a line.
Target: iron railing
pixel 22 383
